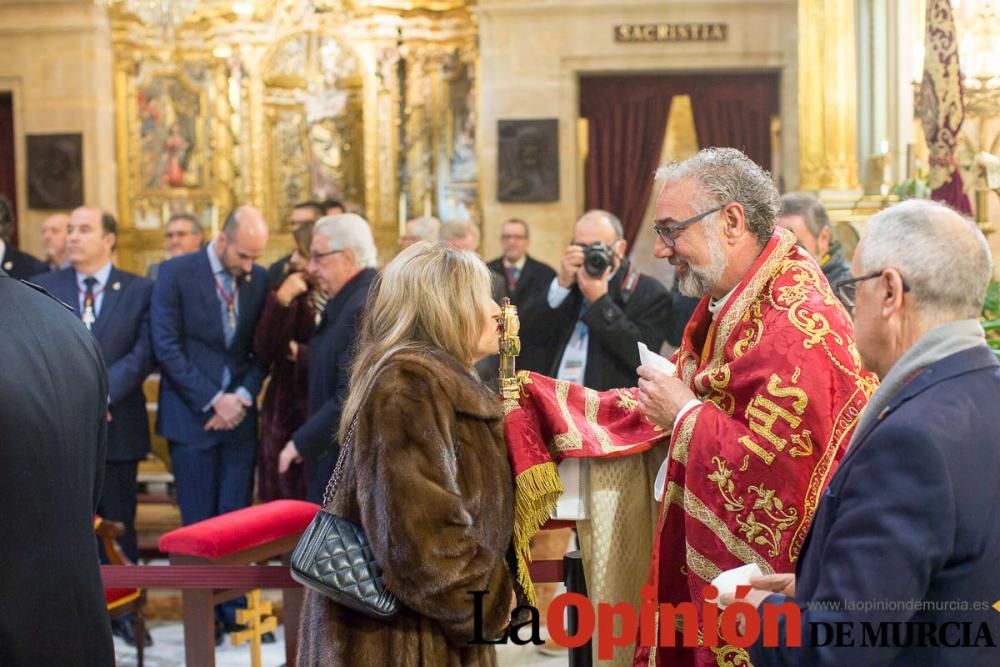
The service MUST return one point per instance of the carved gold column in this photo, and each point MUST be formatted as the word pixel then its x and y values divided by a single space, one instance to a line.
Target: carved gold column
pixel 827 95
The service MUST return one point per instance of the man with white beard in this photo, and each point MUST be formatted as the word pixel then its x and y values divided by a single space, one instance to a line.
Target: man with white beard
pixel 768 390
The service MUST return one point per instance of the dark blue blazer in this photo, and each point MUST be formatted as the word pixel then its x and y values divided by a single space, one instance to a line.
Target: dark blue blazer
pixel 912 514
pixel 331 351
pixel 190 345
pixel 20 265
pixel 122 331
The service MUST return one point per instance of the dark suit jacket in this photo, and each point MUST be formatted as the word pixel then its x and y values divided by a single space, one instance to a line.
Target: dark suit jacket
pixel 531 292
pixel 616 326
pixel 911 515
pixel 20 265
pixel 122 331
pixel 331 351
pixel 278 271
pixel 190 345
pixel 53 393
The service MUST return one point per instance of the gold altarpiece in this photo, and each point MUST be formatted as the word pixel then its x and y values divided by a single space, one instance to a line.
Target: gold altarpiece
pixel 278 101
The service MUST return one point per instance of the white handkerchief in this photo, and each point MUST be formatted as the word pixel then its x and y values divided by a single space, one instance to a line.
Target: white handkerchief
pixel 649 358
pixel 730 579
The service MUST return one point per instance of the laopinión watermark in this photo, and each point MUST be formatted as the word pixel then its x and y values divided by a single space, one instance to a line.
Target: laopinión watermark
pixel 739 625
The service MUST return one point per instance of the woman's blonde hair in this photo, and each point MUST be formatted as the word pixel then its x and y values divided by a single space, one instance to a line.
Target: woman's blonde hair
pixel 431 296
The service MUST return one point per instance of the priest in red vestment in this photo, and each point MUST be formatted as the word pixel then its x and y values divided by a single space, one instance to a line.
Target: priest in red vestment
pixel 768 390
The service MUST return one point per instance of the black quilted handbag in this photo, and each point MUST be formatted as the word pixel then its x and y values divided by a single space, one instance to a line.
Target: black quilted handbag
pixel 333 557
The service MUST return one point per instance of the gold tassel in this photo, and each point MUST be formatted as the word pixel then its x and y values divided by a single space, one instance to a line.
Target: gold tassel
pixel 536 491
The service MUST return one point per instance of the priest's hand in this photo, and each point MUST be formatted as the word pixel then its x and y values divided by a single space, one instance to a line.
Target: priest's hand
pixel 661 397
pixel 289 454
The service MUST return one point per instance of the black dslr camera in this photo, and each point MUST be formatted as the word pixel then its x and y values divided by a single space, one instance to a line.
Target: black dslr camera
pixel 597 257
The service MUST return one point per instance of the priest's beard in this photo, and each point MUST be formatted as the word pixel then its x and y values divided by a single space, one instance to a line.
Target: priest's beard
pixel 698 281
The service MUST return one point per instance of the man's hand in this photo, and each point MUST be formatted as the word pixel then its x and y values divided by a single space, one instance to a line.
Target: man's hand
pixel 289 454
pixel 592 288
pixel 661 396
pixel 762 588
pixel 230 409
pixel 569 265
pixel 293 350
pixel 293 286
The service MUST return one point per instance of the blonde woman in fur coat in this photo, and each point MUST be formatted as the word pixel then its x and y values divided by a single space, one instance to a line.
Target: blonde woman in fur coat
pixel 427 475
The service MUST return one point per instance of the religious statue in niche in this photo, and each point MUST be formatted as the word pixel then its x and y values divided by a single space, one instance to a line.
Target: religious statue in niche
pixel 169 137
pixel 528 156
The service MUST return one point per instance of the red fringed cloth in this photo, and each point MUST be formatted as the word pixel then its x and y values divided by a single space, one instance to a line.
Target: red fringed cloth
pixel 555 419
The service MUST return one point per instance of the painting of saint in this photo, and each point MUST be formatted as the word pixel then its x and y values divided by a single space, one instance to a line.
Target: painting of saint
pixel 169 117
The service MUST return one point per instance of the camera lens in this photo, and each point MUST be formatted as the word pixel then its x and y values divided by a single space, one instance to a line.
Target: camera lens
pixel 596 259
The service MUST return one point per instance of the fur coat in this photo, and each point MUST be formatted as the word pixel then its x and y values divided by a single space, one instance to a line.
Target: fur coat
pixel 428 479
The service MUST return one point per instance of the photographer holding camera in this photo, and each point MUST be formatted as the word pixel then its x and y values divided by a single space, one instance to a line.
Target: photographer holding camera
pixel 599 306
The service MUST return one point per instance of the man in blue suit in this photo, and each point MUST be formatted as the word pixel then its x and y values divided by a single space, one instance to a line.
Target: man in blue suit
pixel 114 305
pixel 342 262
pixel 901 564
pixel 204 310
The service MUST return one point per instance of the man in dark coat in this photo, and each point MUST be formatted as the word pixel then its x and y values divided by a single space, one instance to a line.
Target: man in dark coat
pixel 342 263
pixel 899 567
pixel 18 265
pixel 116 311
pixel 808 220
pixel 594 323
pixel 53 421
pixel 525 281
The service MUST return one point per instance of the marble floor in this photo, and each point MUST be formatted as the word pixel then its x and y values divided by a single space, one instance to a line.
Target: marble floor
pixel 168 651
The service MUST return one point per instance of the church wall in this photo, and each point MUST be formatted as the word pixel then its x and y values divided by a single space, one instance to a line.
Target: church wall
pixel 56 59
pixel 532 53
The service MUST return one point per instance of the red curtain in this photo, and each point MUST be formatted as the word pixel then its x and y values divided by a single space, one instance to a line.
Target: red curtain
pixel 8 183
pixel 627 118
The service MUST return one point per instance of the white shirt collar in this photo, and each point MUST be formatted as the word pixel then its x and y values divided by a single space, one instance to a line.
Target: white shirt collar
pixel 102 275
pixel 715 305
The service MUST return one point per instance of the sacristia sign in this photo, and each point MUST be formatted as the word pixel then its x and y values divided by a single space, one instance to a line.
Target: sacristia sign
pixel 671 32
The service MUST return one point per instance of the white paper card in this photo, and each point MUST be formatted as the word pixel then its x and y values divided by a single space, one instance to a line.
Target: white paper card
pixel 649 358
pixel 727 582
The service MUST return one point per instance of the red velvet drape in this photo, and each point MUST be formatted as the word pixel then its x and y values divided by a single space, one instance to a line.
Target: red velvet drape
pixel 627 118
pixel 8 182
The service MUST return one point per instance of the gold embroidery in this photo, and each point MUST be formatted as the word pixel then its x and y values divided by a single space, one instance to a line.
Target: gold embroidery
pixel 592 403
pixel 730 656
pixel 843 425
pixel 778 519
pixel 700 512
pixel 571 439
pixel 626 401
pixel 679 446
pixel 762 413
pixel 803 444
pixel 723 477
pixel 767 534
pixel 701 566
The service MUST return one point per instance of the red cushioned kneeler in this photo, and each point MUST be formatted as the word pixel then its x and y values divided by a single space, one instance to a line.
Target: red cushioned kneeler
pixel 251 535
pixel 240 530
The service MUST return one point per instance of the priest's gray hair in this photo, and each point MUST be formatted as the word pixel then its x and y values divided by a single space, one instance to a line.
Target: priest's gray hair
pixel 349 231
pixel 942 256
pixel 727 175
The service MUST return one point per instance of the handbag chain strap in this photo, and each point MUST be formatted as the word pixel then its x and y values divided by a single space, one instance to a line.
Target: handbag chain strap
pixel 331 485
